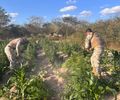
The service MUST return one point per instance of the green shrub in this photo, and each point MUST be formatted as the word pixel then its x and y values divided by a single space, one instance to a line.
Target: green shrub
pixel 69 48
pixel 30 54
pixel 50 48
pixel 82 85
pixel 3 59
pixel 32 88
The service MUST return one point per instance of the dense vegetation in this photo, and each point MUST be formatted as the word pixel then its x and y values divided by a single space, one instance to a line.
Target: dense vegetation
pixel 81 84
pixel 21 85
pixel 68 53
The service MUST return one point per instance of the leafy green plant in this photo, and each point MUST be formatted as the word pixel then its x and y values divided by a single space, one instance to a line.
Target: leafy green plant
pixel 69 48
pixel 30 54
pixel 50 48
pixel 3 59
pixel 82 85
pixel 23 88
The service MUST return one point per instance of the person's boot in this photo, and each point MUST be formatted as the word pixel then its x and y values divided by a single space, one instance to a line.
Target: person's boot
pixel 11 66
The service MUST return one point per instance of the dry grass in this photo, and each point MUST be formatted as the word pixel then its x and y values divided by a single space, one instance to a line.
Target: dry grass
pixel 113 45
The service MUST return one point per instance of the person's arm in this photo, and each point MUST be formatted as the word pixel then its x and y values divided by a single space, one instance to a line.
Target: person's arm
pixel 88 41
pixel 18 48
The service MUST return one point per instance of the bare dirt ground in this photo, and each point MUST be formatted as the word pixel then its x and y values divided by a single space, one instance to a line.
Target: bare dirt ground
pixel 112 98
pixel 53 76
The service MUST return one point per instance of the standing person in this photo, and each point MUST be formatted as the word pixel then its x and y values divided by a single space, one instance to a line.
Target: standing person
pixel 13 50
pixel 95 42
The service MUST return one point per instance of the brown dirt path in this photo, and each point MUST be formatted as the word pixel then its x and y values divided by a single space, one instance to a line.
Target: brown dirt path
pixel 51 75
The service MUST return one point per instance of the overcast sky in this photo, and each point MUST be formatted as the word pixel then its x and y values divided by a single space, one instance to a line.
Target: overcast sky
pixel 91 10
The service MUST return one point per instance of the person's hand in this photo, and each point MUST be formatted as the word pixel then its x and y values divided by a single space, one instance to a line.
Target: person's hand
pixel 87 49
pixel 91 49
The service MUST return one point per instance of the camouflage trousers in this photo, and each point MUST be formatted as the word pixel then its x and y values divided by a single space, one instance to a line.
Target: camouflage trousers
pixel 10 55
pixel 95 59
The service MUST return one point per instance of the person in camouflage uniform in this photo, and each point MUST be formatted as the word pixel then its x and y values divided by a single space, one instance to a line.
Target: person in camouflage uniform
pixel 94 42
pixel 13 46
